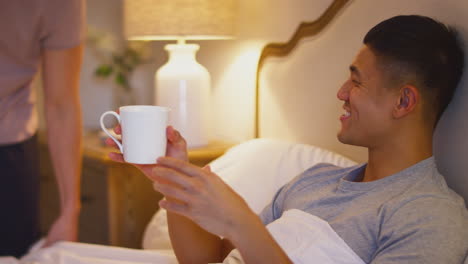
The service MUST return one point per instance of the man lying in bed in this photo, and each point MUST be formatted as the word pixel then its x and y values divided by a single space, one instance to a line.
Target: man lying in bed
pixel 396 208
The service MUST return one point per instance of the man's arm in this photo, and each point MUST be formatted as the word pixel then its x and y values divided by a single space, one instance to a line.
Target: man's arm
pixel 201 197
pixel 191 243
pixel 61 71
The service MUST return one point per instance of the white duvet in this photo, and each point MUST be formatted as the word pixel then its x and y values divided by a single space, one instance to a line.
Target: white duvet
pixel 81 253
pixel 304 237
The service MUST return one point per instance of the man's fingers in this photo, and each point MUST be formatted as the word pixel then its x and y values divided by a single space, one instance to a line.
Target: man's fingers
pixel 162 174
pixel 118 129
pixel 174 207
pixel 207 168
pixel 174 136
pixel 182 166
pixel 172 192
pixel 117 157
pixel 170 133
pixel 111 143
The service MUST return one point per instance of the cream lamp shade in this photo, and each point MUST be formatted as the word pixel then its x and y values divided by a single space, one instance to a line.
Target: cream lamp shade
pixel 172 19
pixel 182 84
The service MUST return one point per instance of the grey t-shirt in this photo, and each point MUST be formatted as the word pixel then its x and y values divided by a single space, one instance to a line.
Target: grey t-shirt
pixel 28 27
pixel 408 217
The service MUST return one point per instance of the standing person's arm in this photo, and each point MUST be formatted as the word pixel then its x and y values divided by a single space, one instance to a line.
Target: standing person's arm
pixel 61 71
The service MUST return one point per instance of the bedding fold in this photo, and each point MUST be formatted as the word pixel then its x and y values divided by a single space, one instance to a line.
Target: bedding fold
pixel 306 239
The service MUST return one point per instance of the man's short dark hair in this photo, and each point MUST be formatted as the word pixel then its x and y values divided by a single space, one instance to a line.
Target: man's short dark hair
pixel 425 52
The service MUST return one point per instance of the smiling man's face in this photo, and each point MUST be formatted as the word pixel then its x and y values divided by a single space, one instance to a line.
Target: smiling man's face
pixel 368 103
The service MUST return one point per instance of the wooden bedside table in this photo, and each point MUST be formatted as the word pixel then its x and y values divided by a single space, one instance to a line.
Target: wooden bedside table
pixel 117 199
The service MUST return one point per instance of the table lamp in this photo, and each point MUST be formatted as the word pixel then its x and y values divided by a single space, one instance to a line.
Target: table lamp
pixel 182 84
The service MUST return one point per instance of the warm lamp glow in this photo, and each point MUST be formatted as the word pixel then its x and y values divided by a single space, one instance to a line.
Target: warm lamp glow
pixel 237 93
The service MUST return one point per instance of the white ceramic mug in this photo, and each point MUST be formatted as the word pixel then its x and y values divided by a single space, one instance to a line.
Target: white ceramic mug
pixel 143 132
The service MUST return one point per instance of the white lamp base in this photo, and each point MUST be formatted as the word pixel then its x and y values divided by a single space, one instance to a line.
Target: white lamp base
pixel 183 85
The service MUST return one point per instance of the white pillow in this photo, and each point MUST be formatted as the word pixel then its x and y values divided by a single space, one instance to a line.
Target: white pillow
pixel 255 169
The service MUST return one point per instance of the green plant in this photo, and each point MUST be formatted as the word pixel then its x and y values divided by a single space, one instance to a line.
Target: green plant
pixel 117 62
pixel 121 66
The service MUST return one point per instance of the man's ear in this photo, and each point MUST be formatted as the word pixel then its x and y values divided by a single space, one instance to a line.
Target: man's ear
pixel 407 100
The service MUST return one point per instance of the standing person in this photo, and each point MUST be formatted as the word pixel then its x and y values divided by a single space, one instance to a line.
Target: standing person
pixel 396 208
pixel 47 34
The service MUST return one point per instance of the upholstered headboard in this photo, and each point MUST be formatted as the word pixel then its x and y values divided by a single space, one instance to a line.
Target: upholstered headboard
pixel 297 81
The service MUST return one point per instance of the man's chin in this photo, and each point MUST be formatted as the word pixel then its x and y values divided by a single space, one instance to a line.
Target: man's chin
pixel 341 138
pixel 344 139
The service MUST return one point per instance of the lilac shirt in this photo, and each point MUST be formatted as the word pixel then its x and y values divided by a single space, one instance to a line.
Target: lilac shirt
pixel 28 27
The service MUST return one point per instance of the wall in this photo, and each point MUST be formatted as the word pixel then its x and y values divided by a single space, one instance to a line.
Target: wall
pixel 96 94
pixel 232 63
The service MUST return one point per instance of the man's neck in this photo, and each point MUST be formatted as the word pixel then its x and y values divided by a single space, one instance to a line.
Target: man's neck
pixel 396 156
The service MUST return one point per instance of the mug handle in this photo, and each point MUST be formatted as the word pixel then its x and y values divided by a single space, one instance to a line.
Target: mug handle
pixel 107 132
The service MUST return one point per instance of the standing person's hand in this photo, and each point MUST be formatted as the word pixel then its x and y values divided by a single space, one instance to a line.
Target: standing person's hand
pixel 64 228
